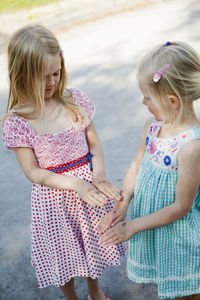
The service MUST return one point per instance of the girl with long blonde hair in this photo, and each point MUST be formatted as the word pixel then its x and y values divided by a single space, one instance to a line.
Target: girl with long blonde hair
pixel 49 127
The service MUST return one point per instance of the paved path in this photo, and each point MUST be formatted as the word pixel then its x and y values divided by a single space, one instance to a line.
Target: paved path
pixel 101 59
pixel 63 15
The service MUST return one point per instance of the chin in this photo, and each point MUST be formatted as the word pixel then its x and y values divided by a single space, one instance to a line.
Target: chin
pixel 158 119
pixel 48 96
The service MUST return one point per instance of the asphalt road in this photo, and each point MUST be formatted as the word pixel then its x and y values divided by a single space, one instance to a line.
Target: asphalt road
pixel 101 58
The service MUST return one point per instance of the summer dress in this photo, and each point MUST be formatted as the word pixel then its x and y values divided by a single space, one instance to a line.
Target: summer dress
pixel 170 255
pixel 64 228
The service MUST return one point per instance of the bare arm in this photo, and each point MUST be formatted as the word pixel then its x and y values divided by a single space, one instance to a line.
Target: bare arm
pixel 119 212
pixel 97 151
pixel 128 185
pixel 99 176
pixel 35 174
pixel 186 189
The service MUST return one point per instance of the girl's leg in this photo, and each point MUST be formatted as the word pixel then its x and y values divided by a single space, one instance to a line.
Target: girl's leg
pixel 185 298
pixel 69 291
pixel 196 297
pixel 95 292
pixel 193 297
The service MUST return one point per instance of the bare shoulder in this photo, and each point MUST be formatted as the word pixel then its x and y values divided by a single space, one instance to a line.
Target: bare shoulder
pixel 190 153
pixel 191 147
pixel 147 123
pixel 11 113
pixel 19 111
pixel 142 145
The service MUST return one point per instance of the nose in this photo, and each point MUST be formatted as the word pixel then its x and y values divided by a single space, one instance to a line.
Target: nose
pixel 50 81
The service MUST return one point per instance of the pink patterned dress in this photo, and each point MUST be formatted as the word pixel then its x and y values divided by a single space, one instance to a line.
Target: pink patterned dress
pixel 64 228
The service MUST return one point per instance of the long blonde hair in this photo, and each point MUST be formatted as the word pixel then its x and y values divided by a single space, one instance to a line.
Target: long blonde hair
pixel 27 57
pixel 182 79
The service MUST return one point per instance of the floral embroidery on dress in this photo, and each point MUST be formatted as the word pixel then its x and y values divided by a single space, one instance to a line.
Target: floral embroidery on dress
pixel 152 147
pixel 163 151
pixel 167 160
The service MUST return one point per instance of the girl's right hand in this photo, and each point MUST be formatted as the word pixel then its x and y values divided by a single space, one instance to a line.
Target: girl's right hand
pixel 90 194
pixel 117 214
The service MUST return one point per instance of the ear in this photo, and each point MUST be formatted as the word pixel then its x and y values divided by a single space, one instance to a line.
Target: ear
pixel 174 101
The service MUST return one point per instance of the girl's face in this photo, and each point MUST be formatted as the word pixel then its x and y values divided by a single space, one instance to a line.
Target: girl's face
pixel 147 101
pixel 52 75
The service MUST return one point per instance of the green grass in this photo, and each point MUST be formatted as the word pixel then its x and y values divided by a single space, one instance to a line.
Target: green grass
pixel 14 5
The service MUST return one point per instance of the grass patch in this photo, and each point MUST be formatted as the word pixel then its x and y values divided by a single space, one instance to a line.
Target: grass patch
pixel 14 5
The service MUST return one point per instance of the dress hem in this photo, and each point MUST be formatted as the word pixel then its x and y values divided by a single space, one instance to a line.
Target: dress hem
pixel 164 295
pixel 94 276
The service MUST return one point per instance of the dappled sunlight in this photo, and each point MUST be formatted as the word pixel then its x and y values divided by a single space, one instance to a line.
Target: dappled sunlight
pixel 101 60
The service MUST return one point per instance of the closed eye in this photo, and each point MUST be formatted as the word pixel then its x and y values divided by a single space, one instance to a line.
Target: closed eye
pixel 147 98
pixel 56 73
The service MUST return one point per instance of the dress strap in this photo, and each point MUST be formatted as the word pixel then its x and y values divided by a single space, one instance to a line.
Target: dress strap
pixel 153 130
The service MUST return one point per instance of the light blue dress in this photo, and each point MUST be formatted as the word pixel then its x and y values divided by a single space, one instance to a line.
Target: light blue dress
pixel 170 255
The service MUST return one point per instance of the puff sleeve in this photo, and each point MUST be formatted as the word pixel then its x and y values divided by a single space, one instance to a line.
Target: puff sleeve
pixel 85 102
pixel 17 133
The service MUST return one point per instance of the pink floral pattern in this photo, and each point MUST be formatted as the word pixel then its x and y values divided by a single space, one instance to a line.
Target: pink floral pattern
pixel 152 147
pixel 64 228
pixel 50 149
pixel 163 152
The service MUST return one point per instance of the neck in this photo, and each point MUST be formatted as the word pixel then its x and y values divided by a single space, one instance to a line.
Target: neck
pixel 188 119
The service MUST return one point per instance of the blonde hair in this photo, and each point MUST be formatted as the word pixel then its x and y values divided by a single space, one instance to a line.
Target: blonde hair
pixel 182 79
pixel 27 60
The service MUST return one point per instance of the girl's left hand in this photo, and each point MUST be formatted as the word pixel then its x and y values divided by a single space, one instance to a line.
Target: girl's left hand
pixel 119 233
pixel 117 214
pixel 106 187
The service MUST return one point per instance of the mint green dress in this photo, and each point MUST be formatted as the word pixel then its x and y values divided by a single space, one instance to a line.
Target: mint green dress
pixel 168 256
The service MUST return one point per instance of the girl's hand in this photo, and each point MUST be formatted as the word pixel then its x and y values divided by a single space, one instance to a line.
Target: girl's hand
pixel 107 188
pixel 119 233
pixel 90 194
pixel 117 214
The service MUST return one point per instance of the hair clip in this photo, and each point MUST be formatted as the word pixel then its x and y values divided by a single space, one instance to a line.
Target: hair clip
pixel 167 44
pixel 158 75
pixel 62 53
